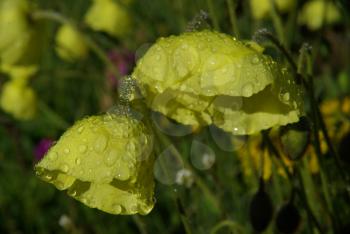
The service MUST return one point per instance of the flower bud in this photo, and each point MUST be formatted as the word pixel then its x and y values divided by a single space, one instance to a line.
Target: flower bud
pixel 70 44
pixel 261 209
pixel 315 13
pixel 18 99
pixel 18 36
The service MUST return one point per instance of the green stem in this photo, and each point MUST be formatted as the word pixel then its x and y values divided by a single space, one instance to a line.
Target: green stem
pixel 140 224
pixel 235 227
pixel 277 22
pixel 213 15
pixel 303 196
pixel 231 5
pixel 281 48
pixel 53 116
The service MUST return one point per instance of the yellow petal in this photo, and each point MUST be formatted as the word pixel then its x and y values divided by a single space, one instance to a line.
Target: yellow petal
pixel 104 162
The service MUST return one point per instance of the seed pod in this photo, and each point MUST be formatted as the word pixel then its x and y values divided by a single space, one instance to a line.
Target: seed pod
pixel 261 209
pixel 288 219
pixel 295 138
pixel 343 150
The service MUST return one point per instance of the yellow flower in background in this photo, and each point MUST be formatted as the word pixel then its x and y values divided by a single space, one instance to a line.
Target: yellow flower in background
pixel 315 13
pixel 110 17
pixel 256 159
pixel 202 78
pixel 261 8
pixel 18 37
pixel 19 72
pixel 70 44
pixel 18 99
pixel 104 162
pixel 335 113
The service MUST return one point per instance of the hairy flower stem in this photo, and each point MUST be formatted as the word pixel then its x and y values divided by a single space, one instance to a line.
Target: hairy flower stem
pixel 231 5
pixel 277 22
pixel 59 18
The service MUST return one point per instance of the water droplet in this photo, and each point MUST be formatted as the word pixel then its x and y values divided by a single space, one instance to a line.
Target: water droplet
pixel 286 97
pixel 53 156
pixel 77 161
pixel 131 146
pixel 100 143
pixel 72 192
pixel 65 168
pixel 80 129
pixel 117 209
pixel 59 185
pixel 48 177
pixel 247 90
pixel 123 172
pixel 255 60
pixel 111 158
pixel 82 148
pixel 66 151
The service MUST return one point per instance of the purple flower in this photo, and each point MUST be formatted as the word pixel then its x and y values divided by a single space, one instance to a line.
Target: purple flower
pixel 41 148
pixel 124 61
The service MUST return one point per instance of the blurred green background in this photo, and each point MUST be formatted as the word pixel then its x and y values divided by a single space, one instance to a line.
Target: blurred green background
pixel 68 91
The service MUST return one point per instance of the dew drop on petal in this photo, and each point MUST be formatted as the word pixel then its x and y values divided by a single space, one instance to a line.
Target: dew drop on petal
pixel 117 209
pixel 255 60
pixel 111 158
pixel 53 156
pixel 65 168
pixel 247 90
pixel 82 148
pixel 100 143
pixel 77 161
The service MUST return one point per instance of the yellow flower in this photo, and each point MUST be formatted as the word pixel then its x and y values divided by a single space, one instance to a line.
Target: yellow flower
pixel 19 72
pixel 18 99
pixel 70 44
pixel 17 35
pixel 110 17
pixel 315 13
pixel 261 8
pixel 104 162
pixel 254 158
pixel 200 78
